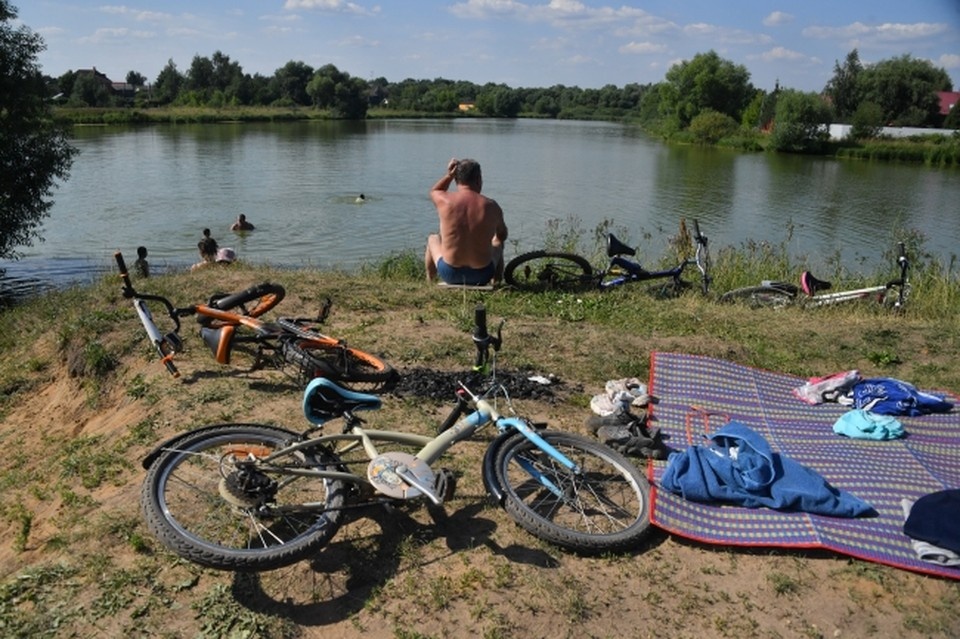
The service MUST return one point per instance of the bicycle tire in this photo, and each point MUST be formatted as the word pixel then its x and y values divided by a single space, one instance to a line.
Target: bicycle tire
pixel 334 360
pixel 605 508
pixel 266 295
pixel 547 270
pixel 192 503
pixel 758 296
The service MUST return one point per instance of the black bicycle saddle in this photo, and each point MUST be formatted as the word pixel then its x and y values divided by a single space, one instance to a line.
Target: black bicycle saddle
pixel 616 247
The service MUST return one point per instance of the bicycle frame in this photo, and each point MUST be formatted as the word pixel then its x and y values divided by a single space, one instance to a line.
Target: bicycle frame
pixel 825 299
pixel 634 272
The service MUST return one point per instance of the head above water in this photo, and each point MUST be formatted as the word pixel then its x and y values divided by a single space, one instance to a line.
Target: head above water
pixel 468 174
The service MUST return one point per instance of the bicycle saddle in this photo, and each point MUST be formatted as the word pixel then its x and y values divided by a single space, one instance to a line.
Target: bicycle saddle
pixel 616 247
pixel 323 400
pixel 811 285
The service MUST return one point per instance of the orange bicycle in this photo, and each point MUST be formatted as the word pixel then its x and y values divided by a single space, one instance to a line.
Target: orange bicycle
pixel 228 321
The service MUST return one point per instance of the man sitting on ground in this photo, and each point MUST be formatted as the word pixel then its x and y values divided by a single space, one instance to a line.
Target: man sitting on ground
pixel 468 250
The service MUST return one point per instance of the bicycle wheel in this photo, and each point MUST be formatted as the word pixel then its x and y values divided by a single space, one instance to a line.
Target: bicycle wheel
pixel 209 500
pixel 757 296
pixel 603 508
pixel 545 270
pixel 330 358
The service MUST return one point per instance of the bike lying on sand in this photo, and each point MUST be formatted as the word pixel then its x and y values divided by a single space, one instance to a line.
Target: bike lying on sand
pixel 552 270
pixel 290 344
pixel 810 291
pixel 251 497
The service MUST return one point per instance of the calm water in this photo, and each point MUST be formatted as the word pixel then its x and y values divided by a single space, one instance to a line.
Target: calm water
pixel 298 182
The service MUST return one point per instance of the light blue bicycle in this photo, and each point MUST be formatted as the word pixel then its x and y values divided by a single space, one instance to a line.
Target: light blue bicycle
pixel 253 497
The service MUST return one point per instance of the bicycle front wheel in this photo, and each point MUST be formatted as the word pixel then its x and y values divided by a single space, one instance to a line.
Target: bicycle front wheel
pixel 758 296
pixel 603 507
pixel 210 500
pixel 545 270
pixel 330 358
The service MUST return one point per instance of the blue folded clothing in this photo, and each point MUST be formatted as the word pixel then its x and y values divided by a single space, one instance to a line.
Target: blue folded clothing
pixel 863 424
pixel 738 467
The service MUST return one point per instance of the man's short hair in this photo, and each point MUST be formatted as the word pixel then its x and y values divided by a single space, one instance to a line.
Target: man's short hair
pixel 467 172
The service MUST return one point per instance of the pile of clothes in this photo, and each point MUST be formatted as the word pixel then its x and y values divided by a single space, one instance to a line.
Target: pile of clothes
pixel 875 403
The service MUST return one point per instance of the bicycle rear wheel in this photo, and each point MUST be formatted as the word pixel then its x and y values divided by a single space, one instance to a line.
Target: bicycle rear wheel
pixel 209 500
pixel 334 360
pixel 605 507
pixel 545 270
pixel 758 296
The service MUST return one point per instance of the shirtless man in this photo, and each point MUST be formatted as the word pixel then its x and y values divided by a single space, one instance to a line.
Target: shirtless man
pixel 242 224
pixel 469 248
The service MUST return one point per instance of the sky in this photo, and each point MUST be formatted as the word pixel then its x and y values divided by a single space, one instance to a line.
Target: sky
pixel 519 43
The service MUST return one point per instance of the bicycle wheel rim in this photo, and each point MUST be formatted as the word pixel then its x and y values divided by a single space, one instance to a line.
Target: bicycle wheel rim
pixel 543 270
pixel 758 296
pixel 192 502
pixel 603 508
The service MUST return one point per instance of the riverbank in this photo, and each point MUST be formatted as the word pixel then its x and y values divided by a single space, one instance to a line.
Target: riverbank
pixel 935 150
pixel 84 398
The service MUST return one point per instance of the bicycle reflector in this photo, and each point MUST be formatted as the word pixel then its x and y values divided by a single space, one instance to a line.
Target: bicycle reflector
pixel 220 341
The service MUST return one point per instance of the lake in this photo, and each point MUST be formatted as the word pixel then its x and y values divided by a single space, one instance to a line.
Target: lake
pixel 160 185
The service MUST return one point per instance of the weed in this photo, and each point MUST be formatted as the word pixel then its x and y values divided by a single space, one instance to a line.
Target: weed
pixel 783 584
pixel 91 461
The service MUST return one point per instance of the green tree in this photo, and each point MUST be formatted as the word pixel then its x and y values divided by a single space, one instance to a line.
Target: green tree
pixel 33 150
pixel 867 121
pixel 345 96
pixel 169 82
pixel 705 82
pixel 709 127
pixel 136 79
pixel 498 101
pixel 843 89
pixel 906 89
pixel 291 81
pixel 801 123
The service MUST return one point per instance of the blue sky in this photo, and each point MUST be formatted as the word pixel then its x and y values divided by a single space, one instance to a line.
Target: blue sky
pixel 521 43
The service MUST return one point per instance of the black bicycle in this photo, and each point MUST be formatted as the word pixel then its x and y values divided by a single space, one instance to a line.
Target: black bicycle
pixel 551 270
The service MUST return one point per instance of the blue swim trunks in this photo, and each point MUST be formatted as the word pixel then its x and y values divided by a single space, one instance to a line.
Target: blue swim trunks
pixel 465 275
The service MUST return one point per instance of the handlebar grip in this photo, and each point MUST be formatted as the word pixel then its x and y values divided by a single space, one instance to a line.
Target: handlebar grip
pixel 902 249
pixel 121 264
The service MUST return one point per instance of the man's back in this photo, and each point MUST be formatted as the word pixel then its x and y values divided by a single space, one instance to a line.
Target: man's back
pixel 468 223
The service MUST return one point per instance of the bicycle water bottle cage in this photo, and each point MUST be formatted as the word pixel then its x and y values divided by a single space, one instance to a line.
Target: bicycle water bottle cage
pixel 811 285
pixel 220 341
pixel 323 400
pixel 616 247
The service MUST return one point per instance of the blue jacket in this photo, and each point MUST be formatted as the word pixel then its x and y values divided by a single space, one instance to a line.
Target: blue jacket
pixel 739 467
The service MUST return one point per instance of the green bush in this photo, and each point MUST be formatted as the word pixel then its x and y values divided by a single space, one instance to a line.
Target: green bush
pixel 710 126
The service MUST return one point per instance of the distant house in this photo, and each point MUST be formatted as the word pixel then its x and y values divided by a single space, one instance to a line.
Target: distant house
pixel 467 106
pixel 99 77
pixel 948 100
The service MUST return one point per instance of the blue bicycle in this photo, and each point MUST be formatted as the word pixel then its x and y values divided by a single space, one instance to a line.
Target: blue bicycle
pixel 552 270
pixel 253 497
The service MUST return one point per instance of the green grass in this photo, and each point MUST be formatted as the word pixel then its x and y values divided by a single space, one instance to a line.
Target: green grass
pixel 70 487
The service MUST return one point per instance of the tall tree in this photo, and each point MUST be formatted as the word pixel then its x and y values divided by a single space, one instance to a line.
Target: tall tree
pixel 801 124
pixel 33 150
pixel 906 89
pixel 705 82
pixel 843 88
pixel 168 84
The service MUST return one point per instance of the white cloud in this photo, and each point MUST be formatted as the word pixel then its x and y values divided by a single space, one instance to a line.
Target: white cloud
pixel 949 61
pixel 331 6
pixel 887 32
pixel 777 18
pixel 106 35
pixel 642 48
pixel 781 53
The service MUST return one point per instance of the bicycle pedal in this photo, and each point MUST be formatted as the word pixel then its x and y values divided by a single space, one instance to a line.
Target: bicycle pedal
pixel 445 484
